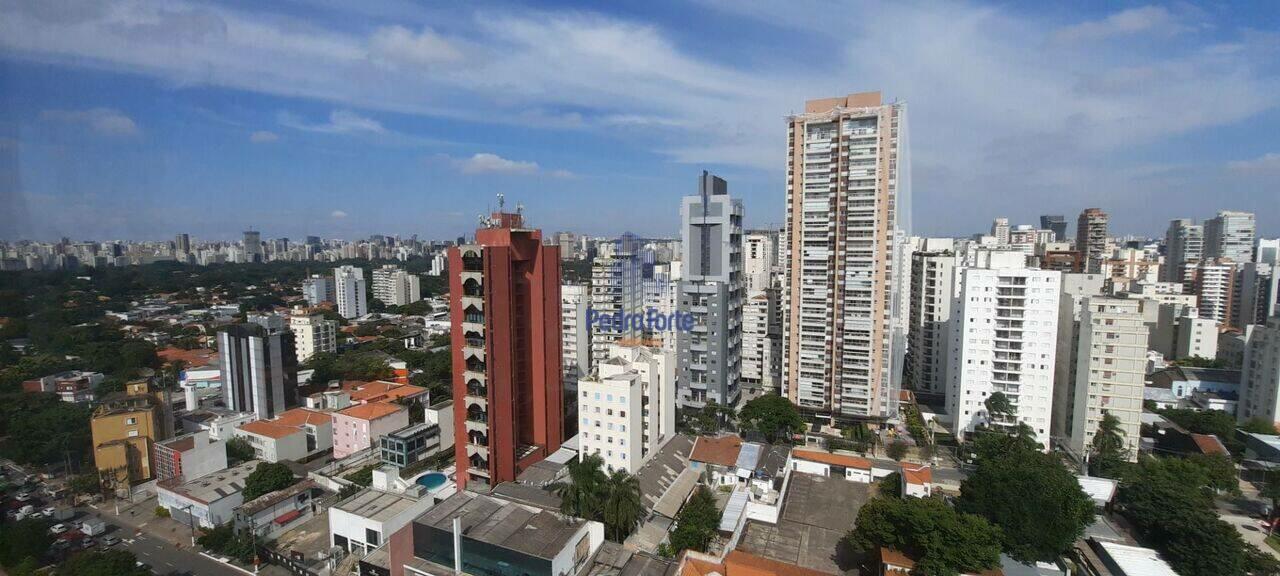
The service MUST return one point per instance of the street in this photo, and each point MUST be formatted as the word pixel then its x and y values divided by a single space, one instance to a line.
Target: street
pixel 165 558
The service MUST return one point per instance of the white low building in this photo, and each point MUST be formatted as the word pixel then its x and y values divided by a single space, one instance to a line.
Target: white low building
pixel 296 435
pixel 365 520
pixel 210 500
pixel 627 407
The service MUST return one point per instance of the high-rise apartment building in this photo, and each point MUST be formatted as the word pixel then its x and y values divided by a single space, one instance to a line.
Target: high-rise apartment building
pixel 712 288
pixel 1091 239
pixel 627 408
pixel 760 259
pixel 932 289
pixel 1076 289
pixel 1266 250
pixel 1183 243
pixel 504 306
pixel 1213 283
pixel 848 183
pixel 616 287
pixel 1260 374
pixel 312 333
pixel 1055 223
pixel 259 370
pixel 396 287
pixel 1229 236
pixel 575 333
pixel 348 291
pixel 252 246
pixel 1111 357
pixel 182 244
pixel 761 343
pixel 318 289
pixel 1000 231
pixel 1258 293
pixel 1003 338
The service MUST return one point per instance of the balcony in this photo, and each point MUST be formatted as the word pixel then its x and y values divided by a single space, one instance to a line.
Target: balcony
pixel 473 263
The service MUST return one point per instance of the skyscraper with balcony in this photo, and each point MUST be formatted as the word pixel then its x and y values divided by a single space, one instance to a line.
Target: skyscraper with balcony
pixel 709 357
pixel 1229 236
pixel 1091 239
pixel 504 306
pixel 843 245
pixel 616 287
pixel 1183 243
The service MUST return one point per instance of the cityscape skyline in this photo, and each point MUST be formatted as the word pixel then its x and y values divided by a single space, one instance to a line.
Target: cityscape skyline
pixel 134 133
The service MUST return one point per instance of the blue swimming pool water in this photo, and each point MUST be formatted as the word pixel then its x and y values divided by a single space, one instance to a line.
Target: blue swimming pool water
pixel 432 480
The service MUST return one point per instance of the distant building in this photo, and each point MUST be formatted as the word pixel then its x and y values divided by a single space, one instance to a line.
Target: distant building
pixel 125 429
pixel 318 289
pixel 295 435
pixel 349 292
pixel 253 247
pixel 762 343
pixel 259 370
pixel 1230 236
pixel 1057 223
pixel 189 457
pixel 1092 238
pixel 1183 243
pixel 1111 357
pixel 359 427
pixel 1260 375
pixel 312 333
pixel 575 332
pixel 396 287
pixel 75 386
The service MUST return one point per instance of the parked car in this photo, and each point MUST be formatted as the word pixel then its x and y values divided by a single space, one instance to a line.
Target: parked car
pixel 23 496
pixel 49 512
pixel 58 528
pixel 87 543
pixel 110 541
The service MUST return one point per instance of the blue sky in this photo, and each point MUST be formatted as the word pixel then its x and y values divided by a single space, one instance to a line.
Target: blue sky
pixel 139 119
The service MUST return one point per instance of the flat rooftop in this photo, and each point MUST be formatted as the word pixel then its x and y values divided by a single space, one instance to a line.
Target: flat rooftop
pixel 817 512
pixel 523 529
pixel 375 505
pixel 216 486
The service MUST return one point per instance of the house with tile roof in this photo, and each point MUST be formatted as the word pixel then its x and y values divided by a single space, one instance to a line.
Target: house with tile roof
pixel 296 434
pixel 847 466
pixel 716 458
pixel 739 563
pixel 359 427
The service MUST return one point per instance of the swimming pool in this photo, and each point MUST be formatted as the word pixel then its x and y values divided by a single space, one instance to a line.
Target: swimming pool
pixel 432 480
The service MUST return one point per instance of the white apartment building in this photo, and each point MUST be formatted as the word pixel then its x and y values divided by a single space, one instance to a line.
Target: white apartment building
pixel 615 287
pixel 575 334
pixel 1000 231
pixel 761 343
pixel 1003 339
pixel 1196 336
pixel 1258 293
pixel 312 333
pixel 396 287
pixel 627 408
pixel 1213 283
pixel 760 258
pixel 1183 243
pixel 1111 362
pixel 1260 374
pixel 843 248
pixel 933 283
pixel 349 291
pixel 1229 235
pixel 318 289
pixel 1075 289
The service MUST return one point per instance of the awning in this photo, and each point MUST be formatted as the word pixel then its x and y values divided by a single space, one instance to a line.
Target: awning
pixel 287 517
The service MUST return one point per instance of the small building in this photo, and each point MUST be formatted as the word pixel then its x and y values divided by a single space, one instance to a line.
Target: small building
pixel 1184 380
pixel 189 457
pixel 739 563
pixel 1100 490
pixel 716 458
pixel 220 423
pixel 209 501
pixel 852 468
pixel 917 480
pixel 1105 558
pixel 410 444
pixel 296 434
pixel 74 386
pixel 125 428
pixel 275 512
pixel 359 427
pixel 366 519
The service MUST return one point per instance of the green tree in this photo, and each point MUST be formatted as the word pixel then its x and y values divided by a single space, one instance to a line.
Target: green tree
pixel 1259 426
pixel 84 484
pixel 1041 482
pixel 267 477
pixel 999 408
pixel 28 538
pixel 941 540
pixel 1216 422
pixel 1271 489
pixel 1200 362
pixel 890 486
pixel 102 563
pixel 1220 471
pixel 1107 453
pixel 226 540
pixel 362 477
pixel 696 524
pixel 773 416
pixel 239 449
pixel 623 508
pixel 582 495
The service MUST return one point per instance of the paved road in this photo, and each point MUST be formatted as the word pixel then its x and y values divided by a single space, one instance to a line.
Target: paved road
pixel 164 558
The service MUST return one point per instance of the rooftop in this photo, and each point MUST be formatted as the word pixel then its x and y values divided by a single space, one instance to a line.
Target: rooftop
pixel 375 505
pixel 816 513
pixel 497 522
pixel 272 498
pixel 832 459
pixel 739 563
pixel 385 391
pixel 371 411
pixel 300 416
pixel 213 487
pixel 270 429
pixel 722 451
pixel 1133 560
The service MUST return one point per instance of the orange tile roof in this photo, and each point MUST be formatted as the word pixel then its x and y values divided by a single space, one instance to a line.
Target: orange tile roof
pixel 739 563
pixel 299 416
pixel 896 558
pixel 722 451
pixel 269 429
pixel 1209 444
pixel 917 474
pixel 383 390
pixel 193 358
pixel 372 410
pixel 832 459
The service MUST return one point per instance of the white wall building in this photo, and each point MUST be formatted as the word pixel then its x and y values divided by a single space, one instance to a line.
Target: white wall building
pixel 1111 360
pixel 762 343
pixel 760 259
pixel 396 287
pixel 1004 336
pixel 1196 336
pixel 312 333
pixel 1075 289
pixel 1260 374
pixel 933 284
pixel 575 344
pixel 627 409
pixel 349 291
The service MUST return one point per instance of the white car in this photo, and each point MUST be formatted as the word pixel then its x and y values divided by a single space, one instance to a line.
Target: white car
pixel 48 512
pixel 23 496
pixel 58 528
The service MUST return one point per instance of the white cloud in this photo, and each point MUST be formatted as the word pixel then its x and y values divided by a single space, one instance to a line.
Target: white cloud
pixel 1146 19
pixel 105 121
pixel 397 45
pixel 340 122
pixel 338 214
pixel 263 136
pixel 489 163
